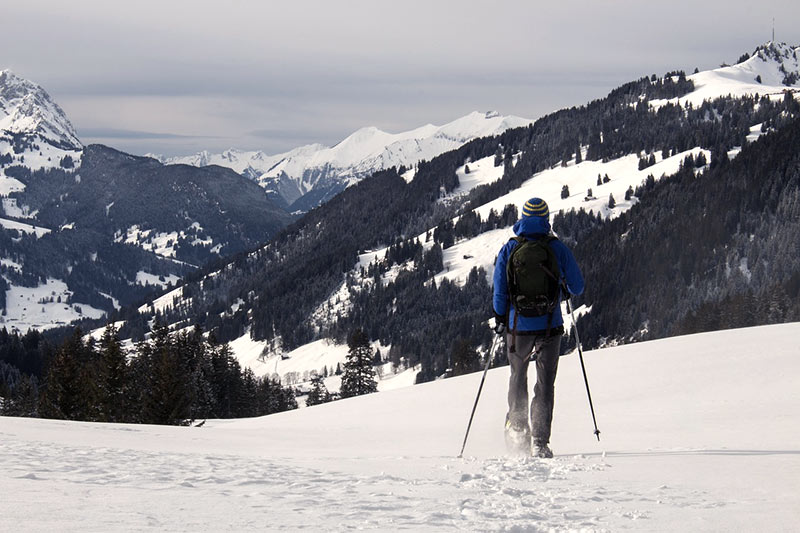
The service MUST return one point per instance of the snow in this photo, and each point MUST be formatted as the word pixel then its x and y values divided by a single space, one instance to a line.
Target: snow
pixel 9 185
pixel 164 301
pixel 26 108
pixel 740 80
pixel 370 149
pixel 145 278
pixel 365 151
pixel 699 433
pixel 12 209
pixel 160 243
pixel 624 172
pixel 23 228
pixel 297 366
pixel 31 307
pixel 97 334
pixel 9 263
pixel 481 172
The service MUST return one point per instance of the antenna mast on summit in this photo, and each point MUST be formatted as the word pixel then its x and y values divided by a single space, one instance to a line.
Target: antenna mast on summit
pixel 773 30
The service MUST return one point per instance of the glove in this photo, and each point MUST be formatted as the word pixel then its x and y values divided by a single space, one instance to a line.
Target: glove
pixel 499 324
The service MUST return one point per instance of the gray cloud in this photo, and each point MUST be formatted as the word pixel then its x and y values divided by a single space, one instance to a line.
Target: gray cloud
pixel 111 133
pixel 263 75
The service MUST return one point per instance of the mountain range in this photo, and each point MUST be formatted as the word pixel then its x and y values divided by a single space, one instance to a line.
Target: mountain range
pixel 86 230
pixel 91 229
pixel 414 273
pixel 310 175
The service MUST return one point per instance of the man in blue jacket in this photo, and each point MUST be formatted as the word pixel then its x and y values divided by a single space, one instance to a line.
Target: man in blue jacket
pixel 537 337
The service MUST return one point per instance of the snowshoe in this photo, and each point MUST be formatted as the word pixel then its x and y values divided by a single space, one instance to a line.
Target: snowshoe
pixel 542 450
pixel 518 439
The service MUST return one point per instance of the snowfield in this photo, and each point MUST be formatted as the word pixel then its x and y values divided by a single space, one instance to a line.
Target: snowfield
pixel 699 433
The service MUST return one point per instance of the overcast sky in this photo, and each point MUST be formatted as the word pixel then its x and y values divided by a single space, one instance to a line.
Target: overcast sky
pixel 178 76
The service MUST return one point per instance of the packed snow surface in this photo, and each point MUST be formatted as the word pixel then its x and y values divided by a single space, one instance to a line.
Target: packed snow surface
pixel 699 433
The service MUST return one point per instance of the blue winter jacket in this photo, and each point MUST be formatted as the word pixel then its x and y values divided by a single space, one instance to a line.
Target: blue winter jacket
pixel 534 228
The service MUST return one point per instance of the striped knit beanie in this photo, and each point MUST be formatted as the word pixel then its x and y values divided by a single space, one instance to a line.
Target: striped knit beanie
pixel 535 207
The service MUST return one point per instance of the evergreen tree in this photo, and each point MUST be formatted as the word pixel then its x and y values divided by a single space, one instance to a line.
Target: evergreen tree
pixel 167 401
pixel 359 375
pixel 23 400
pixel 71 392
pixel 112 377
pixel 463 358
pixel 319 392
pixel 498 156
pixel 611 202
pixel 564 192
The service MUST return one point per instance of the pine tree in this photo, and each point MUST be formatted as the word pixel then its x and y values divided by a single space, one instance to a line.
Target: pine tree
pixel 359 375
pixel 167 401
pixel 319 392
pixel 463 358
pixel 564 192
pixel 112 378
pixel 71 392
pixel 611 202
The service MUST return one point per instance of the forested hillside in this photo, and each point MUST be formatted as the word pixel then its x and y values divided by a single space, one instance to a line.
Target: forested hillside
pixel 280 287
pixel 699 252
pixel 712 246
pixel 117 225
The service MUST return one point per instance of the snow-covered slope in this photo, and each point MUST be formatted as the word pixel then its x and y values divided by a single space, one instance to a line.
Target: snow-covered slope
pixel 692 440
pixel 623 174
pixel 771 69
pixel 34 133
pixel 298 172
pixel 26 108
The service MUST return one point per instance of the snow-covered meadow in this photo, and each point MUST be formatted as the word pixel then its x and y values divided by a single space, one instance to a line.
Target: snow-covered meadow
pixel 699 433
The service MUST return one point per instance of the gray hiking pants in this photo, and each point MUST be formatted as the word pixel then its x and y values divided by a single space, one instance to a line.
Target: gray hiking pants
pixel 545 351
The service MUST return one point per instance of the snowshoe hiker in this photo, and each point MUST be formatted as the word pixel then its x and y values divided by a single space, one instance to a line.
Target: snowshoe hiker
pixel 527 307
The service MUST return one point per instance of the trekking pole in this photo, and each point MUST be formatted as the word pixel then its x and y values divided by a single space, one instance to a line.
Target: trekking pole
pixel 480 388
pixel 583 367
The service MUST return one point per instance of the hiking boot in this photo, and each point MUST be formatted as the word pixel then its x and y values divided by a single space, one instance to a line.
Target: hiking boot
pixel 542 450
pixel 518 438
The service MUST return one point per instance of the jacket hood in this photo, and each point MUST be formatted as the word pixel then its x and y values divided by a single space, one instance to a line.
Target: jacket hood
pixel 528 226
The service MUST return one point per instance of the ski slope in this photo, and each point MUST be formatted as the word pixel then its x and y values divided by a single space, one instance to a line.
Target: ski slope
pixel 699 433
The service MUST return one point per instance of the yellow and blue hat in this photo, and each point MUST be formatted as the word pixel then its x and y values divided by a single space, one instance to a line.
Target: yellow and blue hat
pixel 535 207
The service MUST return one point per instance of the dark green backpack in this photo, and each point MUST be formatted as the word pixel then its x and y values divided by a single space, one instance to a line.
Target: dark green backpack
pixel 532 273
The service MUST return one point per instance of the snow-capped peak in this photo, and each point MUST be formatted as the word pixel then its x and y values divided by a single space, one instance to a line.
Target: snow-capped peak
pixel 26 108
pixel 363 152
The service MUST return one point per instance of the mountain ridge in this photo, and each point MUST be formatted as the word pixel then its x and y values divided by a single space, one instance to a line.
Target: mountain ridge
pixel 320 171
pixel 27 109
pixel 377 258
